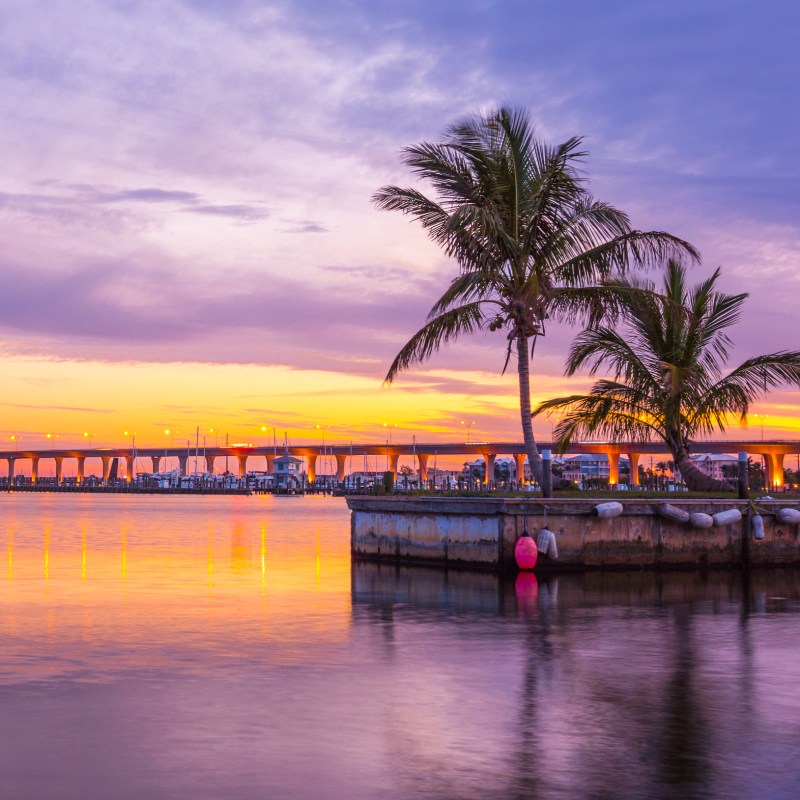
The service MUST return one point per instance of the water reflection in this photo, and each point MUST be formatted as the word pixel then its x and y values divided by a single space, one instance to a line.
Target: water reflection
pixel 229 649
pixel 636 685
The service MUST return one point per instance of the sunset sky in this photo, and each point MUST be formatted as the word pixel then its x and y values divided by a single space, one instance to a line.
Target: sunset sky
pixel 186 233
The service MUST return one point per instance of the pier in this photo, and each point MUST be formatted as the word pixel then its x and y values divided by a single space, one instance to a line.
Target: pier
pixel 481 533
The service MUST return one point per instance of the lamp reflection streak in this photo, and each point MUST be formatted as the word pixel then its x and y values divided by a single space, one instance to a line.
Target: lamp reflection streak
pixel 263 560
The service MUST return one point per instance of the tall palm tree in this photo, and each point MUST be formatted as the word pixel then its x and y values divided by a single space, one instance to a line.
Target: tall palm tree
pixel 530 241
pixel 667 365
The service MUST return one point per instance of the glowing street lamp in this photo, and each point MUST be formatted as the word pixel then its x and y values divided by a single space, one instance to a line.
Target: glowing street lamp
pixel 217 433
pixel 389 426
pixel 468 426
pixel 323 428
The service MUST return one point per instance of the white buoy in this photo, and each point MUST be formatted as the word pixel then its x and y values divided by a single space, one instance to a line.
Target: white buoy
pixel 607 510
pixel 757 524
pixel 700 520
pixel 547 543
pixel 728 517
pixel 790 515
pixel 673 513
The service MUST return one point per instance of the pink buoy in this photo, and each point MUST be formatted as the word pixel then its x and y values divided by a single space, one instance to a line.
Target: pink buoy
pixel 525 551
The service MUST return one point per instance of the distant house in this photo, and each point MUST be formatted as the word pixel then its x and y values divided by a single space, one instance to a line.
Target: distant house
pixel 288 472
pixel 714 464
pixel 589 466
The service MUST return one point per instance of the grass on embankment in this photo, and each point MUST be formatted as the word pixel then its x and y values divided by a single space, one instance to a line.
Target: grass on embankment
pixel 577 494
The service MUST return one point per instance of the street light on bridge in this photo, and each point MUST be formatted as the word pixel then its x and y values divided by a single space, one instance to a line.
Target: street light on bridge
pixel 468 426
pixel 389 426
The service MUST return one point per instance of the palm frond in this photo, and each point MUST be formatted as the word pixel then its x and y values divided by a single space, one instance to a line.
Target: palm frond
pixel 464 288
pixel 438 331
pixel 636 248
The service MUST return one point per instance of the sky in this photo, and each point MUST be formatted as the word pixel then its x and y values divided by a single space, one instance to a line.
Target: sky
pixel 187 239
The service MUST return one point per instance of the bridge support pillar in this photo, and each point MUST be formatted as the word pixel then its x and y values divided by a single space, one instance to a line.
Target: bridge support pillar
pixel 488 478
pixel 210 463
pixel 242 459
pixel 773 464
pixel 106 467
pixel 270 464
pixel 341 463
pixel 156 463
pixel 393 459
pixel 311 467
pixel 11 470
pixel 59 468
pixel 613 468
pixel 422 459
pixel 633 459
pixel 129 468
pixel 81 468
pixel 184 463
pixel 34 469
pixel 519 463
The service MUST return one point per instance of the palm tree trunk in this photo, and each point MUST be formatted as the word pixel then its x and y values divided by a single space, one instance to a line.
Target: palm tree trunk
pixel 523 369
pixel 695 479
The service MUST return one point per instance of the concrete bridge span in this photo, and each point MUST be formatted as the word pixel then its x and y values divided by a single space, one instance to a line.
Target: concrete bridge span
pixel 773 452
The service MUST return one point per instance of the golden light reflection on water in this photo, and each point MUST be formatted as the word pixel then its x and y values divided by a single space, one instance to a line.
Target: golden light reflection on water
pixel 47 554
pixel 144 579
pixel 263 560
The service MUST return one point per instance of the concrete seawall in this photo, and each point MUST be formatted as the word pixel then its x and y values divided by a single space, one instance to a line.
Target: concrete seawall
pixel 480 533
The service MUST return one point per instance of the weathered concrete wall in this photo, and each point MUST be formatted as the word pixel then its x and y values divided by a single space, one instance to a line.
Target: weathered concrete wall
pixel 478 532
pixel 411 536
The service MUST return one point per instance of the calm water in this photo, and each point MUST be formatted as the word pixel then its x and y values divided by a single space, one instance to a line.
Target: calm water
pixel 224 648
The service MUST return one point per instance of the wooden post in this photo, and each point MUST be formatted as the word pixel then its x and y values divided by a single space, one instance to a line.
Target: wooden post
pixel 547 474
pixel 742 483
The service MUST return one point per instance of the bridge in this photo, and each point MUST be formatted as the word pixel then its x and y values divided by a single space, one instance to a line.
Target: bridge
pixel 773 452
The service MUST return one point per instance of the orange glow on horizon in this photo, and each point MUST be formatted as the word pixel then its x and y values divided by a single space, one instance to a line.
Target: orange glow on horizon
pixel 99 404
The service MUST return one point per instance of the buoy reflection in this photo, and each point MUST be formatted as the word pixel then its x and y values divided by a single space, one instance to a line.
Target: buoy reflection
pixel 526 588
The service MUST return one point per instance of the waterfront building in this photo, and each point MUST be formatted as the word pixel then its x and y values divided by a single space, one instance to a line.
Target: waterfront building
pixel 289 472
pixel 720 466
pixel 591 467
pixel 505 470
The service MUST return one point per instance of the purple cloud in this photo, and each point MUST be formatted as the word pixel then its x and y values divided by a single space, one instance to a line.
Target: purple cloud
pixel 240 212
pixel 126 177
pixel 150 195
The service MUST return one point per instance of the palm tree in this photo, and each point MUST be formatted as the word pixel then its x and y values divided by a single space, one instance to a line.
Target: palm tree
pixel 667 363
pixel 530 241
